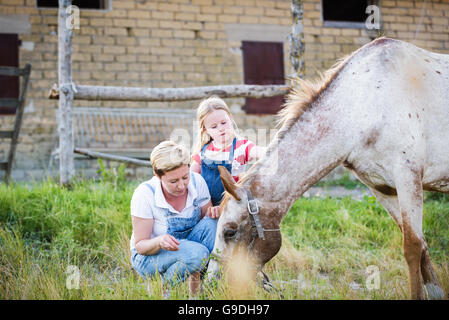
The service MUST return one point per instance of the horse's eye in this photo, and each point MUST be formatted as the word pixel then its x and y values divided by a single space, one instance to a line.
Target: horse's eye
pixel 229 233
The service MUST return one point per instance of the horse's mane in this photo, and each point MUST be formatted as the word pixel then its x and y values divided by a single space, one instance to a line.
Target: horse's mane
pixel 300 97
pixel 303 93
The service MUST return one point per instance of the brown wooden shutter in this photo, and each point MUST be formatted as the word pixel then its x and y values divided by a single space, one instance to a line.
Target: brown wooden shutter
pixel 263 63
pixel 9 56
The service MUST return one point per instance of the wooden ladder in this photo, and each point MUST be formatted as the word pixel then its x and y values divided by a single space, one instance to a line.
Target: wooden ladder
pixel 19 104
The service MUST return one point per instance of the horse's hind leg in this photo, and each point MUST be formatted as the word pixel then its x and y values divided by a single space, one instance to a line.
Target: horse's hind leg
pixel 408 183
pixel 391 204
pixel 433 287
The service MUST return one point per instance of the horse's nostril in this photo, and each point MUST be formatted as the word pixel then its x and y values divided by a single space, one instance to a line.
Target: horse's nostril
pixel 229 233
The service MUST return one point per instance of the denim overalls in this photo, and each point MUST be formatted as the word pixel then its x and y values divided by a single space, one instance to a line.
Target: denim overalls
pixel 179 227
pixel 196 236
pixel 210 173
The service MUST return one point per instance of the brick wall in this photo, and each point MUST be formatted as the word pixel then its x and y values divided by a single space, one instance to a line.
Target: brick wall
pixel 400 20
pixel 181 43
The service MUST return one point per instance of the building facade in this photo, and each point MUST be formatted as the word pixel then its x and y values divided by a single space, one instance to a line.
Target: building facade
pixel 185 43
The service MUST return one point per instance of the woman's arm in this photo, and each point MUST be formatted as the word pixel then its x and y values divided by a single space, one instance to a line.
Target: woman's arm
pixel 210 211
pixel 205 208
pixel 145 245
pixel 142 229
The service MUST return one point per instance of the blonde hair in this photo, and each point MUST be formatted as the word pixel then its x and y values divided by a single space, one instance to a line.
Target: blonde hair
pixel 207 106
pixel 167 156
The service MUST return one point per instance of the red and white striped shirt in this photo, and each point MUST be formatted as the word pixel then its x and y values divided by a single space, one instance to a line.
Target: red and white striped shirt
pixel 241 156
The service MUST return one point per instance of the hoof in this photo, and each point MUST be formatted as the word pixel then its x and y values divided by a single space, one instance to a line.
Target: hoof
pixel 434 292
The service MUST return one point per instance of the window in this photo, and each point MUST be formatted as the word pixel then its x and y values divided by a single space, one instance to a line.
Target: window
pixel 263 63
pixel 345 13
pixel 9 57
pixel 82 4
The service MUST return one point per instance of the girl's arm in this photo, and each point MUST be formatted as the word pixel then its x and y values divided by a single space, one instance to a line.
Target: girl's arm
pixel 195 167
pixel 256 153
pixel 145 245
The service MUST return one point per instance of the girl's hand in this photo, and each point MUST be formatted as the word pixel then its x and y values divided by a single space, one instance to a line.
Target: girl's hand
pixel 213 212
pixel 256 153
pixel 168 242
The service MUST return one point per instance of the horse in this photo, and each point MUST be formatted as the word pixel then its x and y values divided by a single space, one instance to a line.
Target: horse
pixel 383 113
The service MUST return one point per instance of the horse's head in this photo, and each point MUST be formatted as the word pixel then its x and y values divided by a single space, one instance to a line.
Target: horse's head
pixel 246 222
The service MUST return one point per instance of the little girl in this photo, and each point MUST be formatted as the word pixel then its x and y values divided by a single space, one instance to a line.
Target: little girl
pixel 219 145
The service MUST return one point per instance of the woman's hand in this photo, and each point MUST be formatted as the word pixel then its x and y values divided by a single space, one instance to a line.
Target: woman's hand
pixel 213 212
pixel 168 242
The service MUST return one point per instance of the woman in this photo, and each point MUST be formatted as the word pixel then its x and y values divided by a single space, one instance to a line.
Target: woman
pixel 173 220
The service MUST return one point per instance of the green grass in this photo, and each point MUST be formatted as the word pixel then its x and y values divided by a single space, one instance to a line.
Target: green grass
pixel 328 244
pixel 338 239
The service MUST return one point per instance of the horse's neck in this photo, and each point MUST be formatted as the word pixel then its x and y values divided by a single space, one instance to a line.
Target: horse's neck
pixel 313 147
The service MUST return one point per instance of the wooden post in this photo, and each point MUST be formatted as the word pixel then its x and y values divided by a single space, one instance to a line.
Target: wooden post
pixel 64 116
pixel 84 92
pixel 297 46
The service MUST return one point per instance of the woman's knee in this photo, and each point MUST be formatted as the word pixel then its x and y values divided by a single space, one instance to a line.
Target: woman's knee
pixel 211 232
pixel 142 268
pixel 149 265
pixel 205 232
pixel 196 255
pixel 211 224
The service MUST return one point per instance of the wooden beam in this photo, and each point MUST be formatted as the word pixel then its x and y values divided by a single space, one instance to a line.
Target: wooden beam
pixel 6 134
pixel 18 120
pixel 84 92
pixel 9 102
pixel 11 71
pixel 64 115
pixel 112 157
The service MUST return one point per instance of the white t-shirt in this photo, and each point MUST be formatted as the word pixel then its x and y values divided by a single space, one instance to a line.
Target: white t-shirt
pixel 145 204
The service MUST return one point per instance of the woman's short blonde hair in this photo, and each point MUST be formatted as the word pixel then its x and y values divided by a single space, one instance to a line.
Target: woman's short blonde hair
pixel 167 156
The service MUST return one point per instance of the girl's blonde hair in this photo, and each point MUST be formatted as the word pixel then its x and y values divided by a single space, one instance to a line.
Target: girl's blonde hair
pixel 207 106
pixel 167 156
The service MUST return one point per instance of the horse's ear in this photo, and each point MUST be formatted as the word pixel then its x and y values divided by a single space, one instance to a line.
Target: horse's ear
pixel 228 182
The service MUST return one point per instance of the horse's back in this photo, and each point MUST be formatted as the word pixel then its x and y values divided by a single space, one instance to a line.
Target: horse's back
pixel 406 92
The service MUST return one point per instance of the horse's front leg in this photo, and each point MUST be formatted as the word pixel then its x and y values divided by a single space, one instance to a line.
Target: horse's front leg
pixel 408 182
